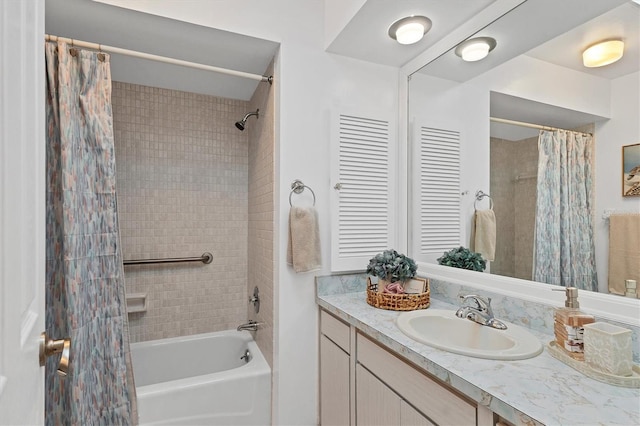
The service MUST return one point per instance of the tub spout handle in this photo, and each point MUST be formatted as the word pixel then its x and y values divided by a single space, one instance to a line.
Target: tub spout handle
pixel 255 299
pixel 251 326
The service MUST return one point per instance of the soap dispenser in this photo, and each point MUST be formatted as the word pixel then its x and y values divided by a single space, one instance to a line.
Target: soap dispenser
pixel 569 324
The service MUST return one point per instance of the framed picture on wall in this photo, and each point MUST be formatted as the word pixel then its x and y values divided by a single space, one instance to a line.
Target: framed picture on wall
pixel 631 170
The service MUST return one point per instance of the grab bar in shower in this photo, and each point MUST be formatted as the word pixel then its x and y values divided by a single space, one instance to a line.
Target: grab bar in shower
pixel 206 258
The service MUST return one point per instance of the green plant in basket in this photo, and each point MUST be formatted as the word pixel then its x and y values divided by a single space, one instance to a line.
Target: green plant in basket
pixel 464 258
pixel 392 266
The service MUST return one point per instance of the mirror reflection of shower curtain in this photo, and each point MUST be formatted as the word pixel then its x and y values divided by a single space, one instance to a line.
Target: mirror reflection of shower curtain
pixel 564 250
pixel 85 295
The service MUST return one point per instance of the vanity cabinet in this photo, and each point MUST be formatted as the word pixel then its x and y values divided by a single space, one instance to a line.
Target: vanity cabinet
pixel 436 402
pixel 335 377
pixel 377 404
pixel 363 383
pixel 409 416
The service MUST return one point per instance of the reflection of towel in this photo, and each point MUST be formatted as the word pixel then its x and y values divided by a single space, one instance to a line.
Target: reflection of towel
pixel 303 250
pixel 485 234
pixel 624 250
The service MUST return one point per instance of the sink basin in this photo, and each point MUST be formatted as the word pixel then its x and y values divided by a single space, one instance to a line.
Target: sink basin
pixel 442 329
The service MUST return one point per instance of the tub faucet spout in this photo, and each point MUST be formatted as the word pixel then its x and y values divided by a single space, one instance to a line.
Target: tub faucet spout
pixel 251 326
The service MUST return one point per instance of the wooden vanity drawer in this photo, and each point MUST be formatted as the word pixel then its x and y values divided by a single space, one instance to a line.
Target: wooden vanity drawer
pixel 336 330
pixel 430 397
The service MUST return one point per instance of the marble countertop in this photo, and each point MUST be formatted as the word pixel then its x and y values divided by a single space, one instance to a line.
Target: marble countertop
pixel 540 390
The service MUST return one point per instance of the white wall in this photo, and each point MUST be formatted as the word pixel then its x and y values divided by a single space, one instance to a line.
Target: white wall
pixel 312 84
pixel 543 82
pixel 622 129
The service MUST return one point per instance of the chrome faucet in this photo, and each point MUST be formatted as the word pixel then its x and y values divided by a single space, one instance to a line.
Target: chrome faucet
pixel 479 312
pixel 250 326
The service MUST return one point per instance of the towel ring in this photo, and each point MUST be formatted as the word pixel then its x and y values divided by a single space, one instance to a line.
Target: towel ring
pixel 479 196
pixel 297 186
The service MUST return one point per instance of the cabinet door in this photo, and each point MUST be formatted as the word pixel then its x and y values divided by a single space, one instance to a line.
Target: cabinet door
pixel 421 391
pixel 409 416
pixel 376 404
pixel 334 384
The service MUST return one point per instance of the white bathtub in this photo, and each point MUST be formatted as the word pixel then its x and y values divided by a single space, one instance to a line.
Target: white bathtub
pixel 201 380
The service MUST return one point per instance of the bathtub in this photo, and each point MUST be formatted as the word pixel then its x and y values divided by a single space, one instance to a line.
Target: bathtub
pixel 202 380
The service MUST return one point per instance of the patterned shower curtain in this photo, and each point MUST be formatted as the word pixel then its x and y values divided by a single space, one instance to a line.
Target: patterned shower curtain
pixel 85 294
pixel 564 251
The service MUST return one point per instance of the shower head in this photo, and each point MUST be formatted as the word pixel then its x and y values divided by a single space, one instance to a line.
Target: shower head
pixel 240 124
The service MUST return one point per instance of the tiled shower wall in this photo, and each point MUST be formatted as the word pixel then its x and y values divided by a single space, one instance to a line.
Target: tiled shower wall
pixel 182 176
pixel 525 166
pixel 261 207
pixel 513 190
pixel 501 190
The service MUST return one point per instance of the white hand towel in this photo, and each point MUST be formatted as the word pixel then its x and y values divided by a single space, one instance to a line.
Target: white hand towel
pixel 485 234
pixel 303 250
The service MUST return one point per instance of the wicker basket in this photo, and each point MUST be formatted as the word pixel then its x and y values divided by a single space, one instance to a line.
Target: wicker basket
pixel 397 302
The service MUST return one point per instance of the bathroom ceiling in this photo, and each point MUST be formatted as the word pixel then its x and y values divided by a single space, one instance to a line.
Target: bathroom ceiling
pixel 365 36
pixel 549 41
pixel 621 22
pixel 96 22
pixel 538 28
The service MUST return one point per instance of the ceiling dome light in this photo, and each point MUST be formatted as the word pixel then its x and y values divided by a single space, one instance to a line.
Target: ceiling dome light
pixel 603 53
pixel 475 49
pixel 409 30
pixel 410 33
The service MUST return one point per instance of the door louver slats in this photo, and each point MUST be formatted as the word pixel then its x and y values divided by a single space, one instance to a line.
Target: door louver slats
pixel 439 190
pixel 363 208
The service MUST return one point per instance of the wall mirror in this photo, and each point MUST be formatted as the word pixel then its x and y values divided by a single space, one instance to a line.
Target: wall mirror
pixel 535 75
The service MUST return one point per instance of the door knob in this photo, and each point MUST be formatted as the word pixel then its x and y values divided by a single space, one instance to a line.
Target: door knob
pixel 50 347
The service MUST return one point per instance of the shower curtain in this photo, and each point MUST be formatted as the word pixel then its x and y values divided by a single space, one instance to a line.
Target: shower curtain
pixel 85 295
pixel 564 251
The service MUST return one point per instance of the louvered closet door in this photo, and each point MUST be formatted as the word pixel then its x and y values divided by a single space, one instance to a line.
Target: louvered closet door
pixel 362 202
pixel 436 194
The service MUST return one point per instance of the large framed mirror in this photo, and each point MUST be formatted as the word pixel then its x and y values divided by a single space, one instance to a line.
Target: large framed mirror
pixel 533 75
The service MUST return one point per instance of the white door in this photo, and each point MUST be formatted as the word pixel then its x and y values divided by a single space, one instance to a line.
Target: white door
pixel 22 217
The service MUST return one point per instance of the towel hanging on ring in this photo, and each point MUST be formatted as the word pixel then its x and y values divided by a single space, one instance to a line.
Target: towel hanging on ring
pixel 303 248
pixel 484 238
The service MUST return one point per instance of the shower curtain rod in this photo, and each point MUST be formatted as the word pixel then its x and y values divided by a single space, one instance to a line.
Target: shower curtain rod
pixel 531 125
pixel 157 58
